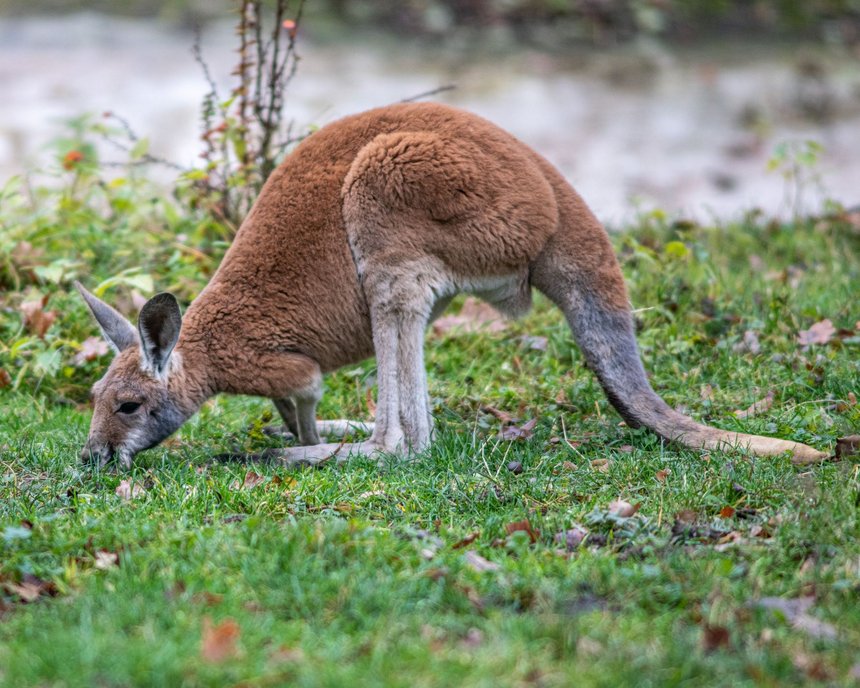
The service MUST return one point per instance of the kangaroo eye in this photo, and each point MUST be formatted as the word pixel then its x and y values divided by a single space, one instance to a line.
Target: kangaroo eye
pixel 129 407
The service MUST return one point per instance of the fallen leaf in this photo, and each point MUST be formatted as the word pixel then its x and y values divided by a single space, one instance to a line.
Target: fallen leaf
pixel 761 406
pixel 474 638
pixel 812 666
pixel 106 560
pixel 842 406
pixel 518 432
pixel 476 562
pixel 749 344
pixel 727 511
pixel 795 611
pixel 36 319
pixel 91 349
pixel 524 526
pixel 588 647
pixel 5 378
pixel 662 474
pixel 820 333
pixel 503 416
pixel 285 653
pixel 210 599
pixel 515 467
pixel 714 637
pixel 219 643
pixel 31 588
pixel 706 392
pixel 601 465
pixel 848 446
pixel 759 532
pixel 534 343
pixel 468 540
pixel 127 491
pixel 571 538
pixel 251 481
pixel 621 508
pixel 568 465
pixel 474 316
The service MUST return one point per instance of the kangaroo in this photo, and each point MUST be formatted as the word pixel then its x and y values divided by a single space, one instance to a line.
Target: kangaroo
pixel 357 241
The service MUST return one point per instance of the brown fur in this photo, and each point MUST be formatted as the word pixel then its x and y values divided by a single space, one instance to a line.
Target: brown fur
pixel 362 235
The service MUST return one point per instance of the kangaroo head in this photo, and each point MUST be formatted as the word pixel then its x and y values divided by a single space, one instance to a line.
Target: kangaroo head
pixel 133 407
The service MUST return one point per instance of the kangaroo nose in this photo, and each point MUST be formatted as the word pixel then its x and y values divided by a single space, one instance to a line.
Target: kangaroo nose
pixel 96 455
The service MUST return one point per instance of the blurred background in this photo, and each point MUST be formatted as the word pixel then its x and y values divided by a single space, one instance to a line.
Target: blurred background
pixel 702 109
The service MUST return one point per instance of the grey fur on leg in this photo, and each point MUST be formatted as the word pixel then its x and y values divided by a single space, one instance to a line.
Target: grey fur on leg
pixel 412 377
pixel 287 409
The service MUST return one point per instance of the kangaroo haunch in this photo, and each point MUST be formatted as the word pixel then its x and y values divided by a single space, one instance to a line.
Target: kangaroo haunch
pixel 358 240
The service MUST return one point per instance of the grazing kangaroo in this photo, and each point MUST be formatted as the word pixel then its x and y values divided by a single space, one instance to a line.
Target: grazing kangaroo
pixel 358 240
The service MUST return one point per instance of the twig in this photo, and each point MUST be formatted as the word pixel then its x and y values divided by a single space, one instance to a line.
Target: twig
pixel 427 94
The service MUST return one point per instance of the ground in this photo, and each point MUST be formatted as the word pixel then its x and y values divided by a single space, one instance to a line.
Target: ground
pixel 498 557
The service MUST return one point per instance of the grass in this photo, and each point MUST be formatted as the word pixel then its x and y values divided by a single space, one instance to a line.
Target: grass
pixel 353 575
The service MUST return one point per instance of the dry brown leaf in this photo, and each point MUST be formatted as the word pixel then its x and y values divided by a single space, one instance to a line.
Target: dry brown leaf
pixel 763 405
pixel 518 432
pixel 813 667
pixel 468 540
pixel 127 491
pixel 210 599
pixel 601 465
pixel 820 333
pixel 503 416
pixel 621 508
pixel 534 343
pixel 106 560
pixel 706 392
pixel 219 643
pixel 285 653
pixel 571 538
pixel 749 344
pixel 568 465
pixel 251 481
pixel 474 316
pixel 714 637
pixel 759 532
pixel 727 511
pixel 662 474
pixel 5 378
pixel 588 647
pixel 91 349
pixel 31 588
pixel 524 526
pixel 474 638
pixel 476 562
pixel 36 319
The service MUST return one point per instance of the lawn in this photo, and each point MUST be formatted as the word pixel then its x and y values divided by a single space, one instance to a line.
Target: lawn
pixel 501 556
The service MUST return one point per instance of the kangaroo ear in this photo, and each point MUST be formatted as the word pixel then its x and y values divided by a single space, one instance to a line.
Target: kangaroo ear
pixel 159 324
pixel 118 331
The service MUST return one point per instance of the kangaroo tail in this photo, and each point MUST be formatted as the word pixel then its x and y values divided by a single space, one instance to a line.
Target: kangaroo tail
pixel 579 272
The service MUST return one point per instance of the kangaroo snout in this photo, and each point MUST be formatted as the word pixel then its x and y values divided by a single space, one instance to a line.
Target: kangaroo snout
pixel 97 453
